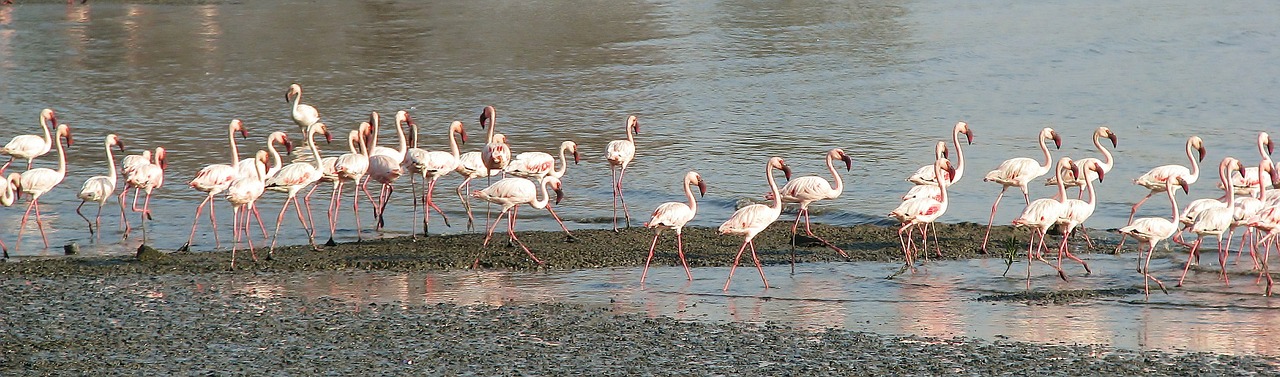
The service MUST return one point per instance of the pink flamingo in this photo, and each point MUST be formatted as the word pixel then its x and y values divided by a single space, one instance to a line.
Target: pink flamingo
pixel 294 178
pixel 145 177
pixel 1041 215
pixel 1076 211
pixel 8 195
pixel 930 187
pixel 496 153
pixel 808 189
pixel 1216 221
pixel 1105 164
pixel 471 166
pixel 245 166
pixel 242 194
pixel 1151 230
pixel 38 181
pixel 129 165
pixel 921 211
pixel 31 146
pixel 539 165
pixel 620 153
pixel 510 193
pixel 397 154
pixel 1245 182
pixel 924 176
pixel 751 220
pixel 1155 178
pixel 99 188
pixel 413 159
pixel 213 180
pixel 1019 172
pixel 384 170
pixel 348 168
pixel 303 115
pixel 673 215
pixel 434 165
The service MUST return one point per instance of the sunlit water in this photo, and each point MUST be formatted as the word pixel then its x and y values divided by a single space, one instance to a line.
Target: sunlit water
pixel 941 300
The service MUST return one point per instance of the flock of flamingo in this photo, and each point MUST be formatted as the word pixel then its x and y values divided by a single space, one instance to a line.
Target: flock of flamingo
pixel 528 176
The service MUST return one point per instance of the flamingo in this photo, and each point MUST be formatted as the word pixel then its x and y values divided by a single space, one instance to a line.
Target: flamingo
pixel 145 177
pixel 384 170
pixel 1039 216
pixel 1244 182
pixel 303 115
pixel 539 165
pixel 1077 211
pixel 397 154
pixel 432 166
pixel 924 175
pixel 242 194
pixel 1249 208
pixel 1106 163
pixel 480 164
pixel 620 153
pixel 751 220
pixel 294 178
pixel 1216 221
pixel 99 188
pixel 1154 179
pixel 246 166
pixel 128 165
pixel 1151 230
pixel 1019 172
pixel 214 179
pixel 673 215
pixel 930 187
pixel 38 181
pixel 31 146
pixel 413 159
pixel 921 211
pixel 496 153
pixel 808 189
pixel 8 195
pixel 348 168
pixel 510 193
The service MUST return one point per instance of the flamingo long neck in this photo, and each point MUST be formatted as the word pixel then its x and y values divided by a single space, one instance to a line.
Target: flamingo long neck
pixel 546 199
pixel 1195 167
pixel 453 144
pixel 235 152
pixel 688 193
pixel 839 186
pixel 564 164
pixel 62 159
pixel 773 187
pixel 1106 154
pixel 413 127
pixel 111 163
pixel 630 135
pixel 1231 192
pixel 275 155
pixel 1174 203
pixel 493 124
pixel 48 138
pixel 404 146
pixel 315 152
pixel 937 172
pixel 297 99
pixel 955 140
pixel 1062 187
pixel 352 139
pixel 1047 158
pixel 1088 186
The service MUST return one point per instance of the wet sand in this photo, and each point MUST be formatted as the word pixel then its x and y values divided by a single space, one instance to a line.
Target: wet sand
pixel 157 316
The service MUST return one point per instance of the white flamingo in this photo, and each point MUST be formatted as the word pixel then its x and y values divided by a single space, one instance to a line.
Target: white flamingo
pixel 302 114
pixel 242 194
pixel 1039 216
pixel 129 165
pixel 1105 163
pixel 921 211
pixel 349 168
pixel 413 160
pixel 99 188
pixel 924 176
pixel 510 193
pixel 31 146
pixel 213 180
pixel 497 152
pixel 432 166
pixel 384 170
pixel 1019 172
pixel 1215 221
pixel 38 181
pixel 620 153
pixel 751 220
pixel 397 154
pixel 480 164
pixel 539 165
pixel 1151 230
pixel 1077 211
pixel 808 189
pixel 244 167
pixel 1246 182
pixel 8 195
pixel 1154 179
pixel 930 188
pixel 145 178
pixel 294 178
pixel 673 215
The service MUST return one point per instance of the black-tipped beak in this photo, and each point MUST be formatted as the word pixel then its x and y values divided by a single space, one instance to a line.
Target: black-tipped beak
pixel 1101 173
pixel 328 137
pixel 576 157
pixel 969 135
pixel 1113 139
pixel 702 188
pixel 848 162
pixel 559 195
pixel 463 134
pixel 1057 140
pixel 786 172
pixel 120 144
pixel 1202 152
pixel 288 146
pixel 1186 188
pixel 244 134
pixel 1270 147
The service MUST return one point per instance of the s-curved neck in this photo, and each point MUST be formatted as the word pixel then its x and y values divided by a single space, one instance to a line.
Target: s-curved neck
pixel 1106 154
pixel 311 142
pixel 453 143
pixel 48 137
pixel 275 155
pixel 564 164
pixel 546 199
pixel 1195 166
pixel 231 137
pixel 773 187
pixel 62 156
pixel 688 193
pixel 839 183
pixel 111 162
pixel 955 140
pixel 1047 158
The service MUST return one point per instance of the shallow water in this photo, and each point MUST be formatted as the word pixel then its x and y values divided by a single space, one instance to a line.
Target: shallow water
pixel 718 88
pixel 941 300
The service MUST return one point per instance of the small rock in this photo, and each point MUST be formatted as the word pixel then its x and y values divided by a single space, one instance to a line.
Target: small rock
pixel 149 254
pixel 71 248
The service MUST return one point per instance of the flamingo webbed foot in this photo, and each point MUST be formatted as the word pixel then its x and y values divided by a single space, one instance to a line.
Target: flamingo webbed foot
pixel 185 247
pixel 331 242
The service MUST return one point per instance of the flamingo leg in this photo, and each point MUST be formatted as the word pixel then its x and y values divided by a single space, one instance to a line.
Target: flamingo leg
pixel 97 220
pixel 431 189
pixel 309 228
pixel 235 232
pixel 991 220
pixel 680 252
pixel 1194 248
pixel 1065 250
pixel 1133 211
pixel 489 233
pixel 568 236
pixel 23 226
pixel 808 231
pixel 652 245
pixel 735 264
pixel 1147 275
pixel 621 199
pixel 1222 258
pixel 355 208
pixel 86 219
pixel 279 220
pixel 466 203
pixel 511 230
pixel 124 222
pixel 413 233
pixel 758 266
pixel 614 181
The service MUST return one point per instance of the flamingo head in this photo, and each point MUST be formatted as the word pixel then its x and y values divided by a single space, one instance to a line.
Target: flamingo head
pixel 572 147
pixel 779 163
pixel 1264 166
pixel 556 186
pixel 294 89
pixel 962 127
pixel 456 126
pixel 499 139
pixel 487 116
pixel 374 118
pixel 1186 187
pixel 1079 170
pixel 702 185
pixel 161 158
pixel 1049 133
pixel 848 161
pixel 946 166
pixel 324 129
pixel 64 131
pixel 940 150
pixel 48 117
pixel 1104 131
pixel 633 123
pixel 262 157
pixel 1196 143
pixel 112 139
pixel 237 125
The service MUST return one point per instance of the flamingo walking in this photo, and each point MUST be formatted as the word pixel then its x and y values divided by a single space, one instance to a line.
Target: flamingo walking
pixel 751 220
pixel 1151 230
pixel 1041 215
pixel 129 165
pixel 1019 172
pixel 413 161
pixel 620 153
pixel 1077 211
pixel 145 177
pixel 1105 163
pixel 213 180
pixel 31 146
pixel 1155 178
pixel 294 178
pixel 38 181
pixel 9 189
pixel 384 170
pixel 302 114
pixel 924 176
pixel 808 189
pixel 1215 221
pixel 921 211
pixel 434 165
pixel 99 188
pixel 673 215
pixel 496 153
pixel 539 165
pixel 348 168
pixel 242 194
pixel 510 193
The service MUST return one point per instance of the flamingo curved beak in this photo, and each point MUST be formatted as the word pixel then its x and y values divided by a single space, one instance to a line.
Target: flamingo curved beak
pixel 53 120
pixel 968 134
pixel 120 144
pixel 288 145
pixel 463 134
pixel 1057 140
pixel 486 117
pixel 1200 149
pixel 1112 136
pixel 786 171
pixel 848 161
pixel 576 157
pixel 1275 176
pixel 1186 188
pixel 1100 172
pixel 702 188
pixel 68 136
pixel 559 194
pixel 950 169
pixel 163 159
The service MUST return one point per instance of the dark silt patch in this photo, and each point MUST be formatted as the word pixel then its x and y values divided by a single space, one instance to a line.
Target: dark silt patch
pixel 1059 297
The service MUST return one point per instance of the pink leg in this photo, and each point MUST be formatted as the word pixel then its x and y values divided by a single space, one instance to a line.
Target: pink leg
pixel 413 233
pixel 279 220
pixel 808 231
pixel 23 226
pixel 1222 258
pixel 430 202
pixel 653 245
pixel 622 199
pixel 1133 211
pixel 1194 248
pixel 568 235
pixel 489 234
pixel 680 252
pixel 735 264
pixel 614 179
pixel 991 220
pixel 86 219
pixel 309 228
pixel 124 222
pixel 511 230
pixel 466 203
pixel 758 266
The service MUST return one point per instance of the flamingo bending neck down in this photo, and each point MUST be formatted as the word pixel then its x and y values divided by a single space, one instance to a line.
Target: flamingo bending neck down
pixel 1105 163
pixel 31 146
pixel 1019 172
pixel 751 220
pixel 539 165
pixel 924 176
pixel 294 178
pixel 511 193
pixel 1216 221
pixel 9 189
pixel 38 181
pixel 674 215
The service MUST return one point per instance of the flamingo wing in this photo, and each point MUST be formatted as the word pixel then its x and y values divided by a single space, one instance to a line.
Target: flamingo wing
pixel 671 214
